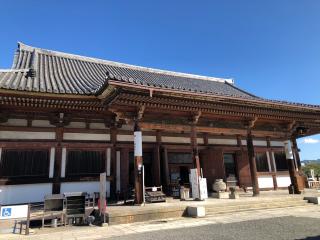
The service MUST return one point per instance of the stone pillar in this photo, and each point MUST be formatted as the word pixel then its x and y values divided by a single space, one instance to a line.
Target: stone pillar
pixel 138 162
pixel 252 163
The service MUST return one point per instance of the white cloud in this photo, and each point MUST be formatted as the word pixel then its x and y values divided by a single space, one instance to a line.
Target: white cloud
pixel 310 141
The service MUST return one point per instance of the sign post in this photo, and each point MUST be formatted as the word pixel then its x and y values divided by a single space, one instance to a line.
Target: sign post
pixel 138 185
pixel 28 220
pixel 16 212
pixel 103 189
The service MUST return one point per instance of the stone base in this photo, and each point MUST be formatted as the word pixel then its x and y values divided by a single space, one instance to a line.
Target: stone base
pixel 315 200
pixel 234 195
pixel 220 195
pixel 196 211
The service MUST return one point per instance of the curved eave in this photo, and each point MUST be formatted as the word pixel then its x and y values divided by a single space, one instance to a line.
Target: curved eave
pixel 204 96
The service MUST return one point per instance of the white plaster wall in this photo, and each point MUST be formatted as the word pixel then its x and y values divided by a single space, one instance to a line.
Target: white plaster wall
pixel 283 181
pixel 125 138
pixel 176 139
pixel 222 141
pixel 24 193
pixel 265 182
pixel 86 136
pixel 200 141
pixel 149 138
pixel 89 187
pixel 26 135
pixel 63 162
pixel 76 125
pixel 276 144
pixel 51 165
pixel 41 123
pixel 15 122
pixel 97 126
pixel 244 142
pixel 261 143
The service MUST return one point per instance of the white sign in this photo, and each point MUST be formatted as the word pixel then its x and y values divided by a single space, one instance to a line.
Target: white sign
pixel 203 188
pixel 288 149
pixel 198 185
pixel 13 212
pixel 138 144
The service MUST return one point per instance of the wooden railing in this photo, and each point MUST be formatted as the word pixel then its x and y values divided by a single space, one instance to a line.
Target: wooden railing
pixel 313 184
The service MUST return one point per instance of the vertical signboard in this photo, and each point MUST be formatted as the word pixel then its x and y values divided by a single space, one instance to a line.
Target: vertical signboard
pixel 203 188
pixel 198 185
pixel 288 149
pixel 138 144
pixel 194 182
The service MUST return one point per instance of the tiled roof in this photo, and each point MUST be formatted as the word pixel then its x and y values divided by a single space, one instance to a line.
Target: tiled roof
pixel 45 71
pixel 40 70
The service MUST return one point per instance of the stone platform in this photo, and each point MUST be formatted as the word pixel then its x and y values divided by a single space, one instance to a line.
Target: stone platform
pixel 175 208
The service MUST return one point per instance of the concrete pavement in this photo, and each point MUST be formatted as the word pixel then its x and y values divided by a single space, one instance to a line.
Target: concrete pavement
pixel 310 212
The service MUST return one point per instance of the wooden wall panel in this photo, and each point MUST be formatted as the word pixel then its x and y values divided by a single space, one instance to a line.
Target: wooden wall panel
pixel 212 165
pixel 124 168
pixel 243 168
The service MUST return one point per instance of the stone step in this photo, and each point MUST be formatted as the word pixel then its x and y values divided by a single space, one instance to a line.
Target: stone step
pixel 255 203
pixel 212 212
pixel 176 211
pixel 239 204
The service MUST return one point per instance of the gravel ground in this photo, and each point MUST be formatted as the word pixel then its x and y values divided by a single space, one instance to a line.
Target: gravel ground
pixel 273 228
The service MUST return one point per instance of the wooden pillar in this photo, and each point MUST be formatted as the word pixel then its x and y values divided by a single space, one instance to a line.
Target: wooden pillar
pixel 239 142
pixel 295 149
pixel 56 184
pixel 291 167
pixel 124 166
pixel 194 147
pixel 113 185
pixel 138 162
pixel 156 163
pixel 292 175
pixel 239 160
pixel 274 171
pixel 274 179
pixel 166 168
pixel 252 163
pixel 271 162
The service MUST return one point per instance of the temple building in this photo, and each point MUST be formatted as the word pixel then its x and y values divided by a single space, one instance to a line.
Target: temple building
pixel 66 118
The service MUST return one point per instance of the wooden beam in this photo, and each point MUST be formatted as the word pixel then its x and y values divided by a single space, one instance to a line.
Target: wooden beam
pixel 211 130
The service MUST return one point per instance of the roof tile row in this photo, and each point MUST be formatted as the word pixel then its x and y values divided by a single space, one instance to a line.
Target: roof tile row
pixel 39 70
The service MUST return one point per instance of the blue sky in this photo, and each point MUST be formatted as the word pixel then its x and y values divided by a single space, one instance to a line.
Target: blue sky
pixel 270 48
